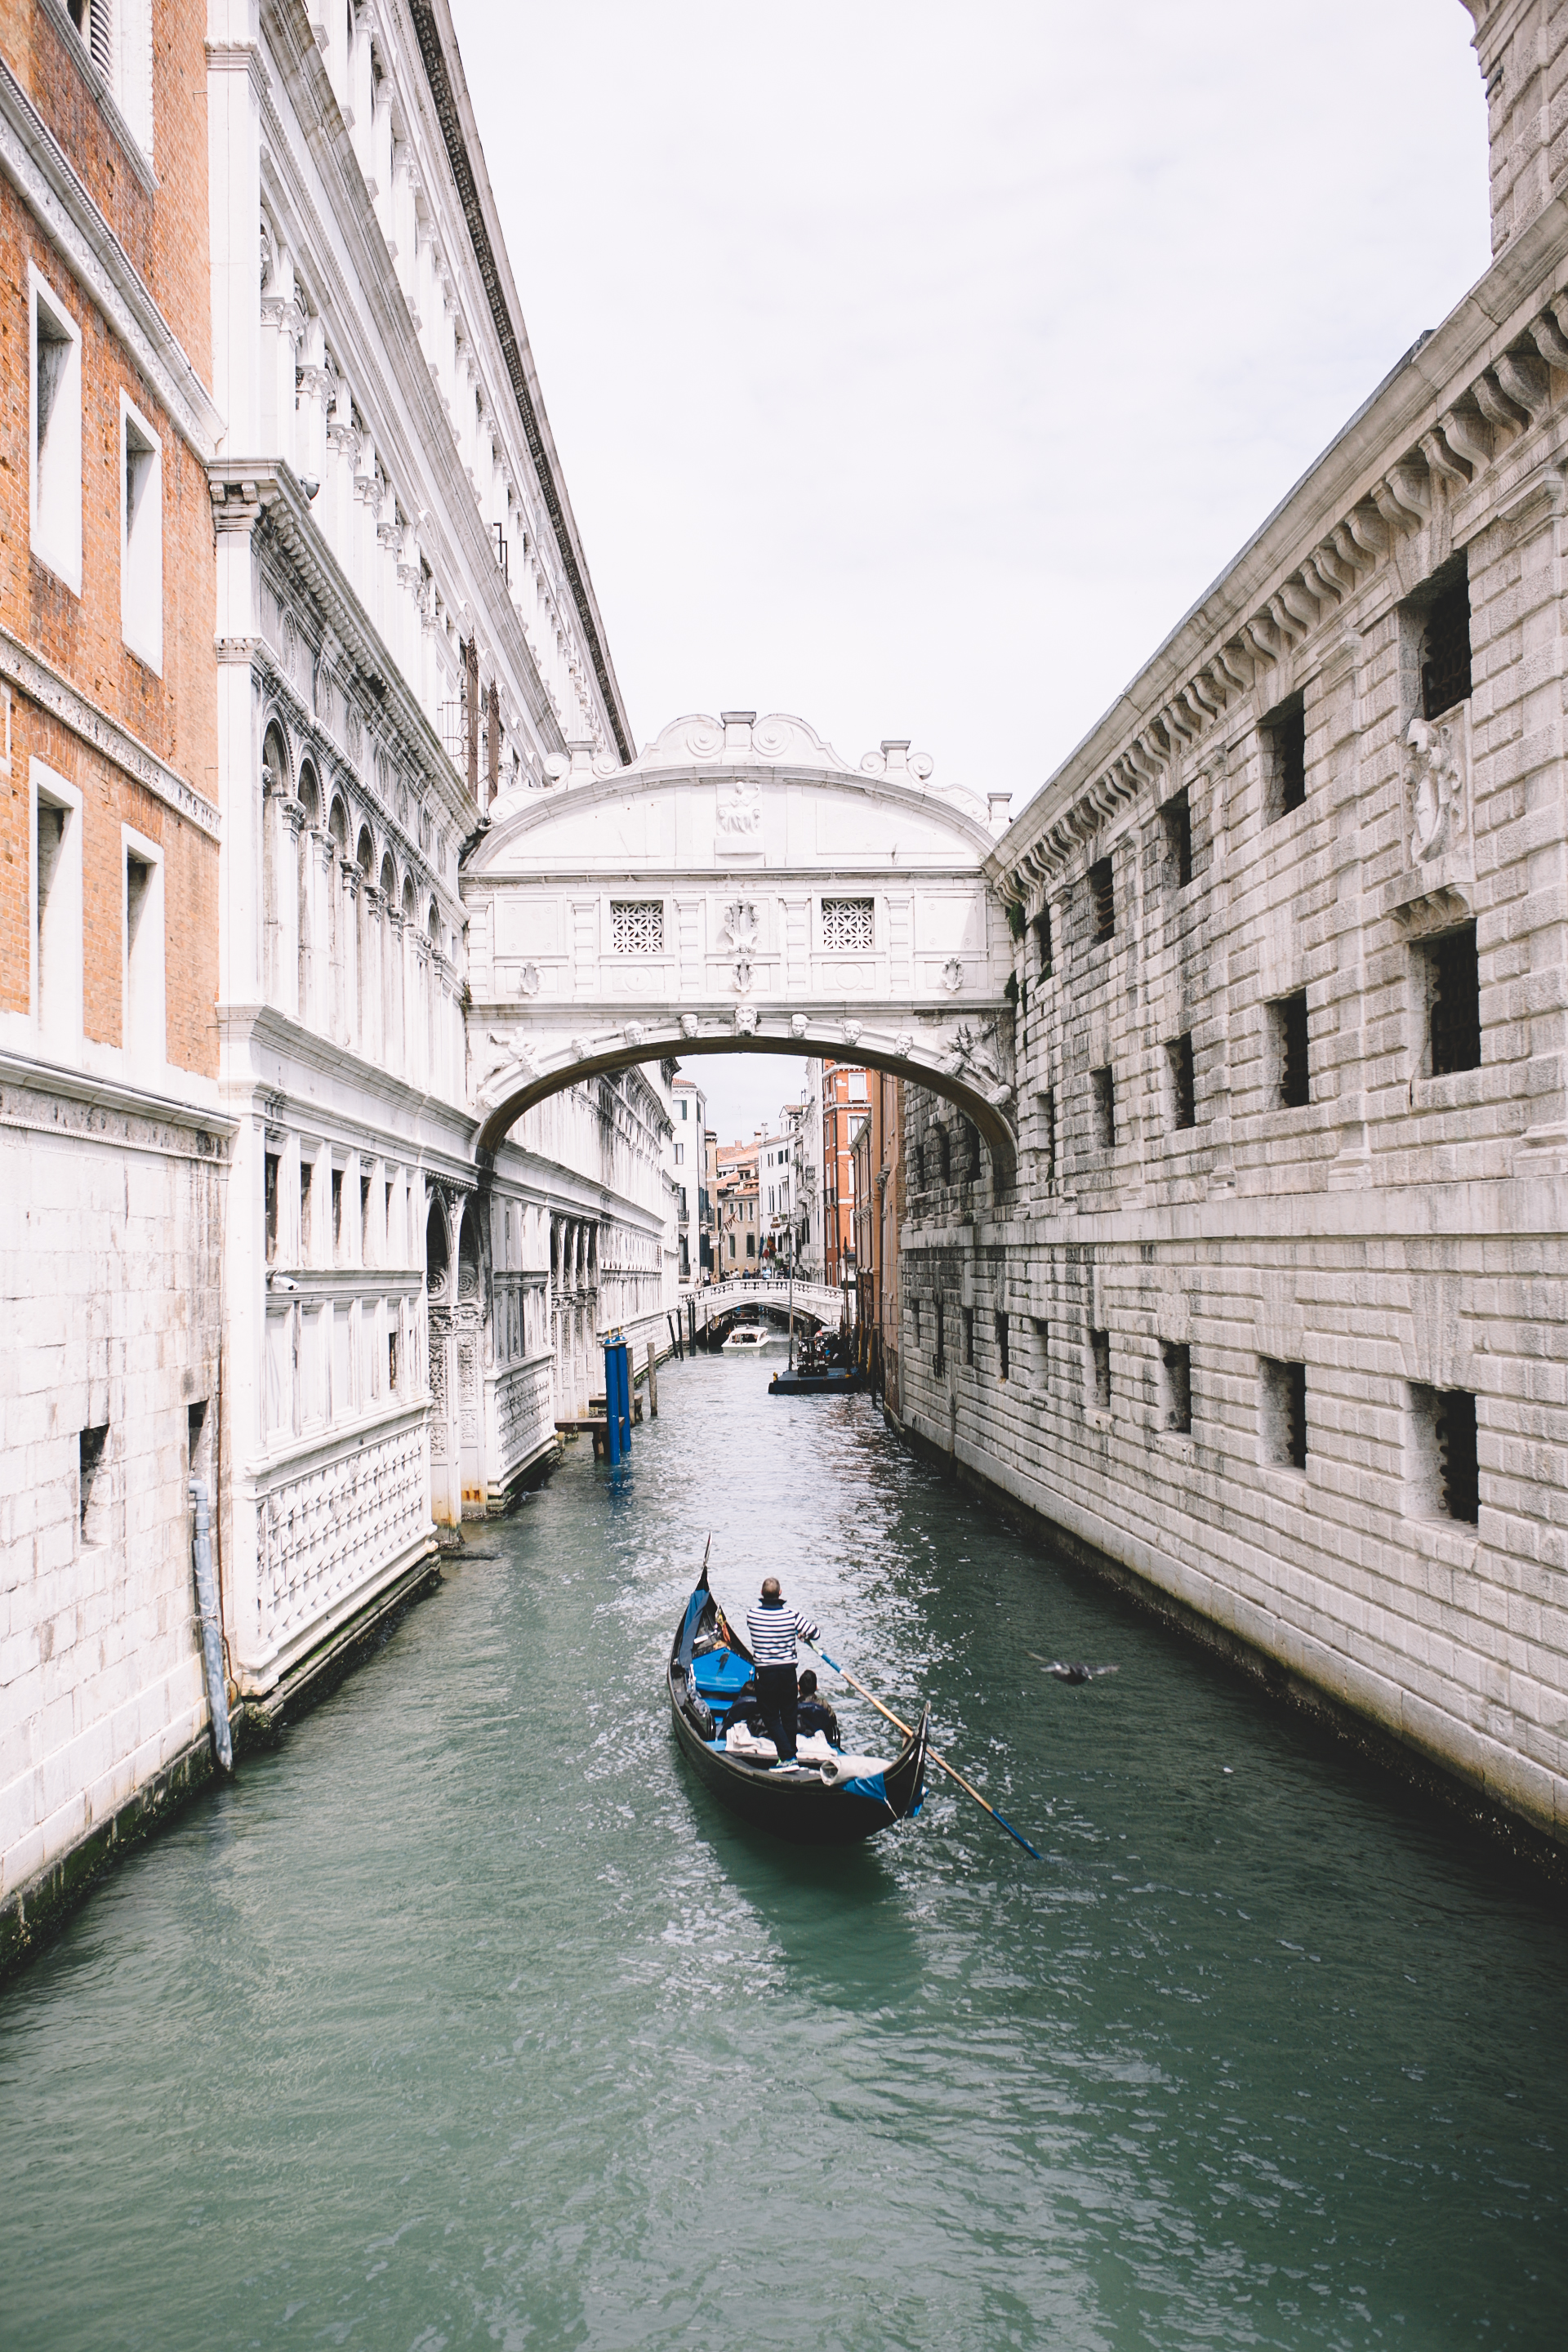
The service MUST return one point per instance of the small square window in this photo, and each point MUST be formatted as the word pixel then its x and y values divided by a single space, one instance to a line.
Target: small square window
pixel 1176 817
pixel 1183 1082
pixel 849 924
pixel 1284 733
pixel 1004 1359
pixel 1446 1473
pixel 1102 1093
pixel 915 1321
pixel 1284 1412
pixel 1100 1367
pixel 1102 901
pixel 1290 1074
pixel 1176 1386
pixel 637 927
pixel 1451 969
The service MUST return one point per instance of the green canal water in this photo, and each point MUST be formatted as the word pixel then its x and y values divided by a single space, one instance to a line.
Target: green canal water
pixel 466 2019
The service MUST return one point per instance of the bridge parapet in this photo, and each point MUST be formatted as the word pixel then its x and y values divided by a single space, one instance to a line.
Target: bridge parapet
pixel 813 1300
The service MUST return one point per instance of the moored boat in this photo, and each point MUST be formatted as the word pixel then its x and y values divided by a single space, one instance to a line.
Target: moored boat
pixel 829 1380
pixel 836 1800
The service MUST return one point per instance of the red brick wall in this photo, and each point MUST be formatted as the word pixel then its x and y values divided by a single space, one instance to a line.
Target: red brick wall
pixel 165 235
pixel 175 715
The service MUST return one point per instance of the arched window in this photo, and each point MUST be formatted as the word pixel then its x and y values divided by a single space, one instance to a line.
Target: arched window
pixel 277 885
pixel 436 1252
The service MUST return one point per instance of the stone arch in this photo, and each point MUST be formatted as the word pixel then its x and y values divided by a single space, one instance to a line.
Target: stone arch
pixel 409 908
pixel 338 823
pixel 308 791
pixel 510 1087
pixel 275 755
pixel 437 1251
pixel 364 852
pixel 388 879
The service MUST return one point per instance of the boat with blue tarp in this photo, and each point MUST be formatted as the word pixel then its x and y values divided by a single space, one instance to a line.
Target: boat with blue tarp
pixel 827 1797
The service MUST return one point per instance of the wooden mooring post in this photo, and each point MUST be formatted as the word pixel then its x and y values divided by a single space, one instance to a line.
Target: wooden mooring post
pixel 652 1382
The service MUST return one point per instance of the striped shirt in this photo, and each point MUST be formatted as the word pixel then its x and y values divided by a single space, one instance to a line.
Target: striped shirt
pixel 773 1634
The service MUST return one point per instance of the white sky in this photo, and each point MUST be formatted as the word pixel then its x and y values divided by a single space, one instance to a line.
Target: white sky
pixel 914 367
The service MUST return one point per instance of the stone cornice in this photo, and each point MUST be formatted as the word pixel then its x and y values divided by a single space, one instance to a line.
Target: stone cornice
pixel 28 674
pixel 119 1114
pixel 39 168
pixel 454 112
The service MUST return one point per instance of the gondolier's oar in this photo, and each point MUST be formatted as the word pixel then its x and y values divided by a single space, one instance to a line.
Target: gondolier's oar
pixel 931 1751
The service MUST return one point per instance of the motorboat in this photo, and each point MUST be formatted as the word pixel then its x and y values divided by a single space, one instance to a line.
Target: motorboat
pixel 751 1338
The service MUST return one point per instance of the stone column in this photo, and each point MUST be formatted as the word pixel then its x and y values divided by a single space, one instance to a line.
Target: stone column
pixel 349 880
pixel 289 820
pixel 372 986
pixel 395 966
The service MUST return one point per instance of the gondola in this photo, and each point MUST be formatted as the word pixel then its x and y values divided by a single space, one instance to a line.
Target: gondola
pixel 833 1379
pixel 709 1669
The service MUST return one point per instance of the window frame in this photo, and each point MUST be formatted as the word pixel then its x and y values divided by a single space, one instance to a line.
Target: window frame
pixel 54 538
pixel 144 960
pixel 55 968
pixel 141 562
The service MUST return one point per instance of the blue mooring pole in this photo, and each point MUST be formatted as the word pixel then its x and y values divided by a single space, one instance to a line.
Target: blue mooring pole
pixel 617 1397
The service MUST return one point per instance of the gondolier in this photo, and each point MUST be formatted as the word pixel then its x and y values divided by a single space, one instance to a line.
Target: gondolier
pixel 774 1632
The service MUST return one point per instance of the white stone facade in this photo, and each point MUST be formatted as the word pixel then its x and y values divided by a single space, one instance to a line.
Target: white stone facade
pixel 1291 966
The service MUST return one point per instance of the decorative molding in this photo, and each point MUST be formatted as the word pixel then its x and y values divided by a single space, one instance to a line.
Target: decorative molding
pixel 23 670
pixel 34 162
pixel 96 81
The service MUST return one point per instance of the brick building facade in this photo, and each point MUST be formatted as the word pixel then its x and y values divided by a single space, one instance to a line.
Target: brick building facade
pixel 113 1140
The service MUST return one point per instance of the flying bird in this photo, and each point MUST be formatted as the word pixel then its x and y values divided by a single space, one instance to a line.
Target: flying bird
pixel 1074 1673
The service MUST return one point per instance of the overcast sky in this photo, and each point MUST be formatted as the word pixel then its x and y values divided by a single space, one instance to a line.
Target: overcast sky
pixel 915 367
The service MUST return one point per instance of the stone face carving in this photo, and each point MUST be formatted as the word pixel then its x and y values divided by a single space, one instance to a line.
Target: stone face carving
pixel 1438 787
pixel 580 1049
pixel 740 811
pixel 746 1020
pixel 852 1033
pixel 973 1054
pixel 634 1033
pixel 952 975
pixel 904 1042
pixel 689 1024
pixel 799 1024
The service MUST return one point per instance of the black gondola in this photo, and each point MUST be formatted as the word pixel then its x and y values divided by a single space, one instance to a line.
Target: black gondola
pixel 834 1379
pixel 708 1663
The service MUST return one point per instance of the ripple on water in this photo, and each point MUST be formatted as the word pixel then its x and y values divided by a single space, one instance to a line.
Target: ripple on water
pixel 466 2018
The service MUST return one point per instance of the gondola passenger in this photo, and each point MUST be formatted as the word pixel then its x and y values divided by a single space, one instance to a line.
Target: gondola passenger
pixel 814 1714
pixel 773 1631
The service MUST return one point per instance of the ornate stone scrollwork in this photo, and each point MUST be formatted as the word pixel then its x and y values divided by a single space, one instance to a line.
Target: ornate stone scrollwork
pixel 745 970
pixel 741 925
pixel 527 980
pixel 952 974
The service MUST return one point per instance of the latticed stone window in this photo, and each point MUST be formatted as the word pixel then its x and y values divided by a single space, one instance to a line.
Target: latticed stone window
pixel 637 925
pixel 847 923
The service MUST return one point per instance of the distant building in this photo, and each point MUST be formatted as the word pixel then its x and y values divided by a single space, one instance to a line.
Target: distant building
pixel 689 1113
pixel 876 1159
pixel 844 1104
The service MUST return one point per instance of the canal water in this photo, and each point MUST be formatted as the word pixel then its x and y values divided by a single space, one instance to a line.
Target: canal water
pixel 466 2019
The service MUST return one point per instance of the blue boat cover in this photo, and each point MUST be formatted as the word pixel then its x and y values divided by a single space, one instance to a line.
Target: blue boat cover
pixel 721 1676
pixel 870 1784
pixel 688 1624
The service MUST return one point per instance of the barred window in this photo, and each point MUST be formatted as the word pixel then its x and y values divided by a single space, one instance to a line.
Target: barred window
pixel 637 925
pixel 847 923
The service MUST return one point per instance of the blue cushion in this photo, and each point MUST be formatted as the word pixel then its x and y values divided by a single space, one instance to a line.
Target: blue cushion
pixel 721 1676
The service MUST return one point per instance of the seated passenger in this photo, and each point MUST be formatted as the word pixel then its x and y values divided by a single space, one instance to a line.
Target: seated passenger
pixel 748 1713
pixel 814 1714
